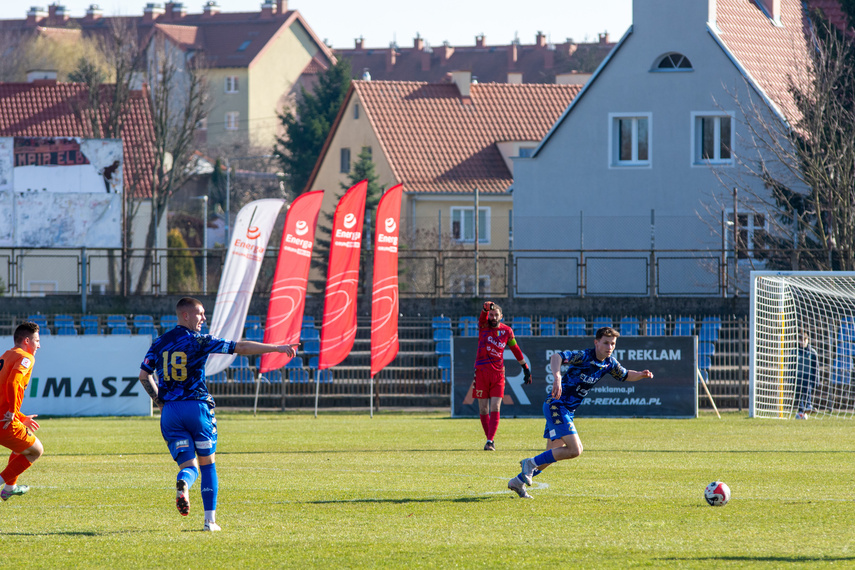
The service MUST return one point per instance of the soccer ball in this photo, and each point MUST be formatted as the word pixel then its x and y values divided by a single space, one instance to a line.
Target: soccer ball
pixel 717 494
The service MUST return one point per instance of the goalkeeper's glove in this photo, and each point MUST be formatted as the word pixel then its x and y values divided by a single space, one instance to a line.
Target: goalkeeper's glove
pixel 488 305
pixel 526 374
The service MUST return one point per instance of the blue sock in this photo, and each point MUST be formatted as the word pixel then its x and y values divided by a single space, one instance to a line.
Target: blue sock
pixel 188 475
pixel 545 458
pixel 536 472
pixel 210 486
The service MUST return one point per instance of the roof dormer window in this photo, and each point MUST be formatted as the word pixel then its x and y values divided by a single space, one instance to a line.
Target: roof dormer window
pixel 673 62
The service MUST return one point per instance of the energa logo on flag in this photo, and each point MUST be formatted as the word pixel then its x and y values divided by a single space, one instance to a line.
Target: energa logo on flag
pixel 390 225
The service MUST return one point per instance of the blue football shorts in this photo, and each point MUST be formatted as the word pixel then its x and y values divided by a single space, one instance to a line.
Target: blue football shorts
pixel 189 428
pixel 559 420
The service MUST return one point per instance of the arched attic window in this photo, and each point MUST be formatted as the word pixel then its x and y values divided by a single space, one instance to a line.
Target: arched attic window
pixel 672 62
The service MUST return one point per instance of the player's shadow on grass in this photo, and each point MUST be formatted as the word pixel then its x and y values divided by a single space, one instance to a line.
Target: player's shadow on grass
pixel 788 559
pixel 403 501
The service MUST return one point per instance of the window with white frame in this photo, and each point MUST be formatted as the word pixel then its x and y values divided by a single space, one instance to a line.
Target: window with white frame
pixel 751 233
pixel 630 139
pixel 231 84
pixel 713 138
pixel 232 118
pixel 463 225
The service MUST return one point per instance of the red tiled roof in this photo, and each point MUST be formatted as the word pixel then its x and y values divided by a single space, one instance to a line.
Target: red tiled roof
pixel 46 109
pixel 221 36
pixel 490 64
pixel 773 54
pixel 437 142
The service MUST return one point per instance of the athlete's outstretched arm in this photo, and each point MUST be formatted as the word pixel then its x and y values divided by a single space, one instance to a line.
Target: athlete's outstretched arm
pixel 633 376
pixel 250 347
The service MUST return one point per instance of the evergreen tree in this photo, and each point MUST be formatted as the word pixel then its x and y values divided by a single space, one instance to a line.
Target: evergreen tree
pixel 306 128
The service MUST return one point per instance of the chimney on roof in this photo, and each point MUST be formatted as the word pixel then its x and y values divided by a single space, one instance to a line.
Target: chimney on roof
pixel 480 40
pixel 418 43
pixel 35 15
pixel 569 47
pixel 56 12
pixel 175 10
pixel 211 8
pixel 603 38
pixel 41 76
pixel 772 9
pixel 93 12
pixel 540 39
pixel 358 43
pixel 445 53
pixel 463 80
pixel 391 57
pixel 512 54
pixel 281 6
pixel 152 11
pixel 268 9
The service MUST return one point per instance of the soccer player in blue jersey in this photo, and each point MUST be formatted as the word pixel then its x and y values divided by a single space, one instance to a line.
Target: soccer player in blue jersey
pixel 187 419
pixel 585 369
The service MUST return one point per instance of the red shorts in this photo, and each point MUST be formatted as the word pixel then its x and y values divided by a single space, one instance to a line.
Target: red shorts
pixel 489 384
pixel 17 437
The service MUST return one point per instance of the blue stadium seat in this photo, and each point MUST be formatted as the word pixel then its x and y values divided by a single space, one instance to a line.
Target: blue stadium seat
pixel 441 322
pixel 254 333
pixel 240 361
pixel 44 330
pixel 706 348
pixel 140 320
pixel 311 347
pixel 204 329
pixel 846 331
pixel 684 326
pixel 66 330
pixel 149 330
pixel 120 329
pixel 600 322
pixel 252 320
pixel 40 320
pixel 441 334
pixel 443 347
pixel 308 321
pixel 548 326
pixel 710 327
pixel 309 333
pixel 575 326
pixel 468 326
pixel 91 330
pixel 445 375
pixel 844 348
pixel 445 362
pixel 629 326
pixel 62 321
pixel 298 375
pixel 245 375
pixel 116 321
pixel 219 377
pixel 521 326
pixel 656 326
pixel 274 376
pixel 704 362
pixel 90 324
pixel 296 362
pixel 313 362
pixel 325 376
pixel 168 322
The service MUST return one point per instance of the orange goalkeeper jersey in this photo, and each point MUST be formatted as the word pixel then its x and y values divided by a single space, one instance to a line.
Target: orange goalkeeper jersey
pixel 16 367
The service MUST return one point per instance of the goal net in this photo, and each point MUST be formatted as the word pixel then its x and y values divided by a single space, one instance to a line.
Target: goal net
pixel 803 343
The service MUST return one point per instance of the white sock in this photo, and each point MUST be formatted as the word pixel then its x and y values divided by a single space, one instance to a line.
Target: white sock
pixel 211 516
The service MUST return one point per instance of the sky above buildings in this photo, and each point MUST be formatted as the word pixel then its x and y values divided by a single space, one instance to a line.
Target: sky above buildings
pixel 381 22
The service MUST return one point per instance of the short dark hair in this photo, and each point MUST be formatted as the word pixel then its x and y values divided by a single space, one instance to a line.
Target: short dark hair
pixel 498 308
pixel 186 303
pixel 607 331
pixel 25 330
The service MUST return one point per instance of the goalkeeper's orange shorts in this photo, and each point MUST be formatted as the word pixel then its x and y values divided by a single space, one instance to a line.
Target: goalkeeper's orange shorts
pixel 489 384
pixel 17 437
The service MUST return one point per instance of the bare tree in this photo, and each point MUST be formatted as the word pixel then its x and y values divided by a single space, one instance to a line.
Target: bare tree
pixel 806 162
pixel 180 103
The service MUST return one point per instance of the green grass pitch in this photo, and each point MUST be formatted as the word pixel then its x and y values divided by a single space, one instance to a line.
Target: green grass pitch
pixel 417 491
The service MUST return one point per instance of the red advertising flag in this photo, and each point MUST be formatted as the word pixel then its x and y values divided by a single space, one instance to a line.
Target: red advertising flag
pixel 384 299
pixel 339 326
pixel 288 296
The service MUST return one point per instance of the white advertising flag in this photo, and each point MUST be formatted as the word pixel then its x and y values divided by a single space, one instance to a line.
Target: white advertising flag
pixel 252 229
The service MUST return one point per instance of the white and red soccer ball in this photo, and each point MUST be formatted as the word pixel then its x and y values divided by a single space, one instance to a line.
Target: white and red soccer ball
pixel 717 494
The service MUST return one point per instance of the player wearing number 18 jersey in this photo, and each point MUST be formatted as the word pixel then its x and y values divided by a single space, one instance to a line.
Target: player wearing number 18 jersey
pixel 187 421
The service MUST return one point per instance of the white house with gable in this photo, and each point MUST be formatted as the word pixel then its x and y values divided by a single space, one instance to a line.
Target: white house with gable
pixel 635 162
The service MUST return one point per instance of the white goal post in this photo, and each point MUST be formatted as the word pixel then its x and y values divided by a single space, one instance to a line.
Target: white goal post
pixel 789 308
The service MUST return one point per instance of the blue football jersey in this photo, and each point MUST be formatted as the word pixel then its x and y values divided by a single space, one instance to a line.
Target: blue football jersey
pixel 583 372
pixel 178 357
